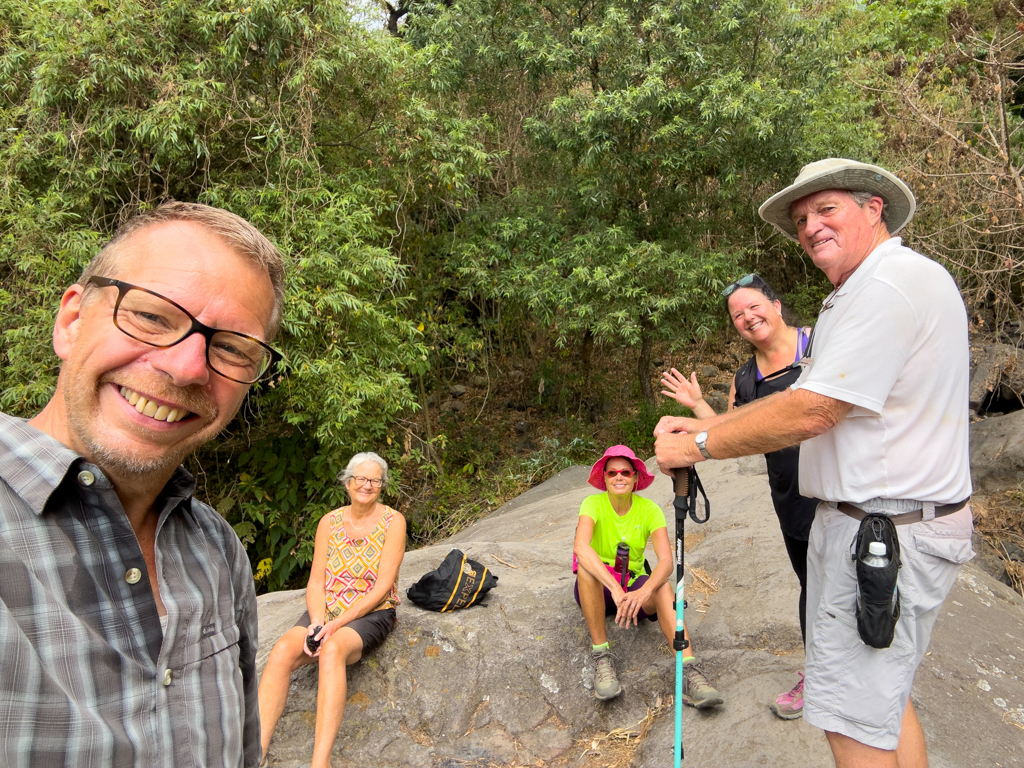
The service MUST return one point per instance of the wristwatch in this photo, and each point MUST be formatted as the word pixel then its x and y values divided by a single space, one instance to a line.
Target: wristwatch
pixel 702 439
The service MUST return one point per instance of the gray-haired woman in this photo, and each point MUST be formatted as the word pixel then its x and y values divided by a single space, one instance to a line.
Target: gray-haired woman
pixel 350 603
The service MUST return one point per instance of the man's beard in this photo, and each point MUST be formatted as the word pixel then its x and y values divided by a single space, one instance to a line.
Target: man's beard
pixel 122 462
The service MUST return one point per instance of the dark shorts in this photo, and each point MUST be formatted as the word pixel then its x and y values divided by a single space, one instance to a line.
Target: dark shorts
pixel 610 609
pixel 373 628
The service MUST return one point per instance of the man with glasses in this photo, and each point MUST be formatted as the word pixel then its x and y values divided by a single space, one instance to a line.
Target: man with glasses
pixel 127 607
pixel 881 410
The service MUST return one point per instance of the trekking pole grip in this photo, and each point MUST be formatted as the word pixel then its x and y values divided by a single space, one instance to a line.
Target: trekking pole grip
pixel 681 481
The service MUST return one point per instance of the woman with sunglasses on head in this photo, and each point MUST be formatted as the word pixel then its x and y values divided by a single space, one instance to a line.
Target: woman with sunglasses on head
pixel 756 313
pixel 350 603
pixel 607 519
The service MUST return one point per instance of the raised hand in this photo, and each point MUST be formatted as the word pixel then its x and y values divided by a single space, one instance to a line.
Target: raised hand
pixel 683 391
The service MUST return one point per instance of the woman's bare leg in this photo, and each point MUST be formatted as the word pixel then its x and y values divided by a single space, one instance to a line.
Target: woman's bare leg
pixel 343 648
pixel 286 656
pixel 661 601
pixel 592 603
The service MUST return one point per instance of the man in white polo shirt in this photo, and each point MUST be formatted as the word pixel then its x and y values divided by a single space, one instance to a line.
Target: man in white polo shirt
pixel 881 410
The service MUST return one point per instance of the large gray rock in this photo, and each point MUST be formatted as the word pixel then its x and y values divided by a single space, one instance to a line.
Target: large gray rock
pixel 511 683
pixel 492 684
pixel 997 365
pixel 997 451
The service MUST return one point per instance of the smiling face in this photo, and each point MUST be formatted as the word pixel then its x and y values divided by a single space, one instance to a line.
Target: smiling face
pixel 133 409
pixel 364 494
pixel 754 316
pixel 837 233
pixel 619 485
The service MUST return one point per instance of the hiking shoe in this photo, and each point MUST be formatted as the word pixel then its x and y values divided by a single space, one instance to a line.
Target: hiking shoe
pixel 790 705
pixel 606 684
pixel 697 691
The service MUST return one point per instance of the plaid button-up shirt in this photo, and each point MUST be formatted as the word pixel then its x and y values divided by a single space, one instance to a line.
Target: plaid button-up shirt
pixel 87 676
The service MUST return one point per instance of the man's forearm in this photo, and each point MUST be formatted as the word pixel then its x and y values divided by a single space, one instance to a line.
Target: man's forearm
pixel 776 422
pixel 674 423
pixel 786 418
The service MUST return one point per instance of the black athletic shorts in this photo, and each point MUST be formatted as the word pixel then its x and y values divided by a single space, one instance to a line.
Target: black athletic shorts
pixel 373 628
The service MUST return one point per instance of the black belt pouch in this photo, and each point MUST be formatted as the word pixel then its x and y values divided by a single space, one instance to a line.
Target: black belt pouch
pixel 878 602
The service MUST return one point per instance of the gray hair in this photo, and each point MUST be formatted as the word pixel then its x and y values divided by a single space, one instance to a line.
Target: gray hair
pixel 861 197
pixel 236 232
pixel 361 458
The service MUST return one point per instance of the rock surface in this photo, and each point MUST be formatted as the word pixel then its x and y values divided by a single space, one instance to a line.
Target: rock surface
pixel 995 366
pixel 510 683
pixel 997 451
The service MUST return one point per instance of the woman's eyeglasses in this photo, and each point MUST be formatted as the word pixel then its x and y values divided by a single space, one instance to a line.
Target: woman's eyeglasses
pixel 623 472
pixel 744 282
pixel 374 482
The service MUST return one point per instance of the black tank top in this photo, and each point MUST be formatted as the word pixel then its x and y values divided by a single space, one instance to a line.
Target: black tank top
pixel 795 512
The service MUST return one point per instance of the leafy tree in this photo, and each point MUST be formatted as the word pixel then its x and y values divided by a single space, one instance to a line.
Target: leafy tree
pixel 635 173
pixel 952 105
pixel 288 114
pixel 479 180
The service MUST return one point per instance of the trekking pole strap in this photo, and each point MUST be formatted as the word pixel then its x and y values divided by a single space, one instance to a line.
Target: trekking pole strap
pixel 695 486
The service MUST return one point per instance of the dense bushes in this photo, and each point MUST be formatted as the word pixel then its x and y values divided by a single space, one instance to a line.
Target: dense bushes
pixel 497 182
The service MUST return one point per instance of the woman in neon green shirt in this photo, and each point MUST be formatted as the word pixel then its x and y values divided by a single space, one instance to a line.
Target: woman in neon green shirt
pixel 606 519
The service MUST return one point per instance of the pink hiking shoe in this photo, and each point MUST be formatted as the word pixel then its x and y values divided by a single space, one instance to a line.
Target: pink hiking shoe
pixel 790 705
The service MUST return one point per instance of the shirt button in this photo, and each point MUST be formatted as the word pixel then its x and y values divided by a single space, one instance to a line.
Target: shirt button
pixel 133 576
pixel 85 477
pixel 167 677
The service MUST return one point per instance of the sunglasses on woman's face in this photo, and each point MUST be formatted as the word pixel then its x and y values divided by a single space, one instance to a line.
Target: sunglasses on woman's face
pixel 623 472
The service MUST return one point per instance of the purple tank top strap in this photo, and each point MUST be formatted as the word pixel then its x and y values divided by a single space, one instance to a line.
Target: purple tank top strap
pixel 801 343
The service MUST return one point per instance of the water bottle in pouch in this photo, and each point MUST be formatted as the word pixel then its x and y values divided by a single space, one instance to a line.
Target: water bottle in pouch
pixel 622 563
pixel 877 557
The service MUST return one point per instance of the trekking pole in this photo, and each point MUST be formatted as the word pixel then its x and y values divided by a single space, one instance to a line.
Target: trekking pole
pixel 685 484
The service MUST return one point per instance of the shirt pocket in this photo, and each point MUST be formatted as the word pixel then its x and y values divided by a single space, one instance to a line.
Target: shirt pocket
pixel 214 638
pixel 219 641
pixel 206 702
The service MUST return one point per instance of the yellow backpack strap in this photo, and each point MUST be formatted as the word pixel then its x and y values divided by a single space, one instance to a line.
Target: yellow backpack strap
pixel 483 578
pixel 455 590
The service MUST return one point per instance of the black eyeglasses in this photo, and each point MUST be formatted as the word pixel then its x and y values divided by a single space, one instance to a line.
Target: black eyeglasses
pixel 744 282
pixel 360 481
pixel 159 322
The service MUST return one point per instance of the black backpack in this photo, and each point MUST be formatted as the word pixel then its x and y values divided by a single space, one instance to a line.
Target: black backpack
pixel 457 583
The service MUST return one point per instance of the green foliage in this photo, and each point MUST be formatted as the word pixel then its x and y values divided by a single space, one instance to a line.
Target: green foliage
pixel 907 27
pixel 503 181
pixel 643 131
pixel 806 299
pixel 463 497
pixel 638 432
pixel 261 108
pixel 950 98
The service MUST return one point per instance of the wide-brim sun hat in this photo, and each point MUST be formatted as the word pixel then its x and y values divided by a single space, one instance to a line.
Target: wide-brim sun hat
pixel 643 479
pixel 840 173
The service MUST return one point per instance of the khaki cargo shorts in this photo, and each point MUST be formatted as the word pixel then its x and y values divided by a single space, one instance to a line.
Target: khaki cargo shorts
pixel 852 688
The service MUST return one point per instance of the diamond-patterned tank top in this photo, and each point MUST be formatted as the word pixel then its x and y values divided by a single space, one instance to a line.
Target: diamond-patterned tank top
pixel 353 563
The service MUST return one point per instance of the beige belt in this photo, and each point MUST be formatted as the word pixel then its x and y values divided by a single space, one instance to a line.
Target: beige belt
pixel 905 518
